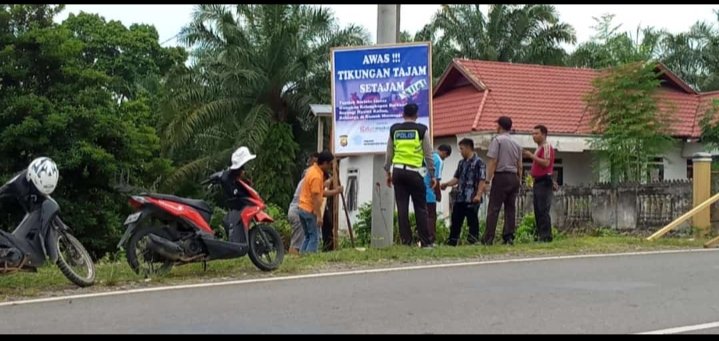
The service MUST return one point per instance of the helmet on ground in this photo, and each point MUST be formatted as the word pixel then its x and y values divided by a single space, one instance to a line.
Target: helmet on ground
pixel 240 157
pixel 43 174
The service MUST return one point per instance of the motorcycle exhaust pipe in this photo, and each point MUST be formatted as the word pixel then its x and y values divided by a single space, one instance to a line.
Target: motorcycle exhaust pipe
pixel 166 248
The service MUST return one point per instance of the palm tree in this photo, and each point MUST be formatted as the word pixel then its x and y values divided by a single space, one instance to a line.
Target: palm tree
pixel 609 47
pixel 692 55
pixel 512 33
pixel 705 39
pixel 442 50
pixel 256 69
pixel 684 54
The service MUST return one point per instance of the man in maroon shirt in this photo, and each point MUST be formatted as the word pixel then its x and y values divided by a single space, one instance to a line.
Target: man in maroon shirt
pixel 542 170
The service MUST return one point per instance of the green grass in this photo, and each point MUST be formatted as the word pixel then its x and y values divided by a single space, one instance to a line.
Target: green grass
pixel 113 275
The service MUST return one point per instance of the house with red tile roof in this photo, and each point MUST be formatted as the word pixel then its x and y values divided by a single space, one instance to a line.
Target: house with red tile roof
pixel 472 94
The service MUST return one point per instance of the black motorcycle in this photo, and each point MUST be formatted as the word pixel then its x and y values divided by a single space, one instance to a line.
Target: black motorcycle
pixel 41 235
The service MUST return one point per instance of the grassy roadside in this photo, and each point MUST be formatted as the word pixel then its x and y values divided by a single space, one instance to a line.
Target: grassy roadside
pixel 48 281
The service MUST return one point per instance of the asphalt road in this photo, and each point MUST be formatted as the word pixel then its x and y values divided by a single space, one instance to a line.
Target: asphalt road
pixel 622 294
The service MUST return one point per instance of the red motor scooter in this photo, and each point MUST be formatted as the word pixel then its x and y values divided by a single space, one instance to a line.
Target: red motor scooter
pixel 167 230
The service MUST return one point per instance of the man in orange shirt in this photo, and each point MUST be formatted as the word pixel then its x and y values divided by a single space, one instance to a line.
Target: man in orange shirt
pixel 293 215
pixel 310 205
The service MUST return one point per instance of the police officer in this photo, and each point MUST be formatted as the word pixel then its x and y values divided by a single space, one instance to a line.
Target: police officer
pixel 408 159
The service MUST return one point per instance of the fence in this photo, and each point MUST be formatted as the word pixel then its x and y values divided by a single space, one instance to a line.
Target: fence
pixel 625 206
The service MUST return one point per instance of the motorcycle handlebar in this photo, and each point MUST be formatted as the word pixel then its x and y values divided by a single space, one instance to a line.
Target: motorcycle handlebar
pixel 212 179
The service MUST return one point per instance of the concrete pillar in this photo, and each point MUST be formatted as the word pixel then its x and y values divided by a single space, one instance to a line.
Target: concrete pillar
pixel 702 190
pixel 387 24
pixel 383 196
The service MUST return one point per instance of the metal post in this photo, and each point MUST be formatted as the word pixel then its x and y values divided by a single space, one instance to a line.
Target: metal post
pixel 383 196
pixel 320 135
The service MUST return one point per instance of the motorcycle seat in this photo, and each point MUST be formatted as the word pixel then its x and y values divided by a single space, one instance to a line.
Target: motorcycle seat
pixel 198 204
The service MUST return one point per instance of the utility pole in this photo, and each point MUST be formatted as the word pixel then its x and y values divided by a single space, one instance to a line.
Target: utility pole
pixel 383 196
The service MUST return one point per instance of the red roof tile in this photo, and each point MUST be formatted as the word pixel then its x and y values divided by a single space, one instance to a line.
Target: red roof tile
pixel 705 104
pixel 539 94
pixel 458 109
pixel 683 110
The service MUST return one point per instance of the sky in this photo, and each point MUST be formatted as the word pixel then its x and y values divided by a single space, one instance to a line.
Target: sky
pixel 169 19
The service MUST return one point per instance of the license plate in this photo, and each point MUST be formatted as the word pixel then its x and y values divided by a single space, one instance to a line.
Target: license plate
pixel 132 218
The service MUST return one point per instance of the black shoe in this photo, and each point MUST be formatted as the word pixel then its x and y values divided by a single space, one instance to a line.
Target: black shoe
pixel 508 240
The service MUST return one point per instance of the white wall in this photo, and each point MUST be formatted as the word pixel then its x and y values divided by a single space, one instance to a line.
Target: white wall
pixel 690 148
pixel 675 166
pixel 675 160
pixel 450 165
pixel 578 167
pixel 575 144
pixel 363 164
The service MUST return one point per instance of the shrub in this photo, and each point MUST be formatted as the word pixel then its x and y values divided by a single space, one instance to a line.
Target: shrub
pixel 363 227
pixel 281 224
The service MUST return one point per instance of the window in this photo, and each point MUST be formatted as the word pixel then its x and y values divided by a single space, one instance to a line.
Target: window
pixel 351 189
pixel 558 172
pixel 690 169
pixel 655 170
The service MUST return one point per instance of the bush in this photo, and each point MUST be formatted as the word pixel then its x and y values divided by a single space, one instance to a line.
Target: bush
pixel 281 224
pixel 524 234
pixel 442 232
pixel 526 230
pixel 218 214
pixel 605 232
pixel 363 227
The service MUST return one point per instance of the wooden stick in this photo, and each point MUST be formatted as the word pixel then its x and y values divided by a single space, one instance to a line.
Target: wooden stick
pixel 684 217
pixel 349 223
pixel 335 204
pixel 711 242
pixel 336 180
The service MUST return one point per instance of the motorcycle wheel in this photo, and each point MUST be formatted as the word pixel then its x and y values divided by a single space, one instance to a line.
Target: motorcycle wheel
pixel 266 249
pixel 141 258
pixel 74 261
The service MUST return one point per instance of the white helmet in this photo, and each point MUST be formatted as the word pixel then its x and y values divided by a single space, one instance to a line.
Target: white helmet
pixel 43 173
pixel 240 157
